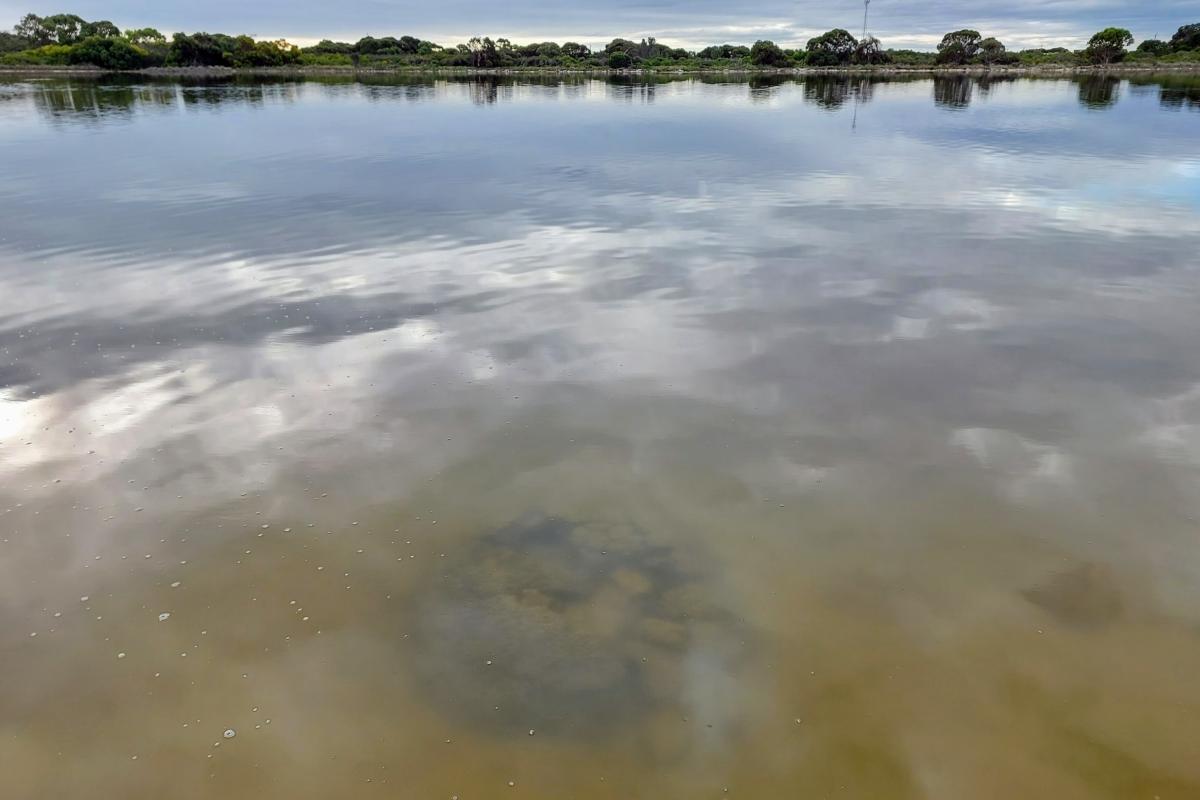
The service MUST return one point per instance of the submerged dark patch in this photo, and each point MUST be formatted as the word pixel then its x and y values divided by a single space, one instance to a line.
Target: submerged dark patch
pixel 572 629
pixel 1084 597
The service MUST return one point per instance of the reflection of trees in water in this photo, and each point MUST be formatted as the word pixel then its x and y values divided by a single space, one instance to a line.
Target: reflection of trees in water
pixel 953 91
pixel 763 86
pixel 986 83
pixel 117 98
pixel 1099 91
pixel 480 89
pixel 84 101
pixel 1175 92
pixel 832 91
pixel 1180 97
pixel 207 95
pixel 383 92
pixel 630 89
pixel 484 92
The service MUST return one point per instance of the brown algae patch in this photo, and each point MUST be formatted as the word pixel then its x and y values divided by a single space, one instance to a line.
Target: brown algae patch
pixel 1086 596
pixel 570 628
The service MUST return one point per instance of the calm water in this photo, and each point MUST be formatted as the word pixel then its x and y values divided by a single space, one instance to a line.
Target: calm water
pixel 436 439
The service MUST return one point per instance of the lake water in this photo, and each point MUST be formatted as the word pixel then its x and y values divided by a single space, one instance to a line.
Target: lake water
pixel 690 439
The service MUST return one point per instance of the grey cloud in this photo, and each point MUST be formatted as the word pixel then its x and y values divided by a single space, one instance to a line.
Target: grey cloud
pixel 903 21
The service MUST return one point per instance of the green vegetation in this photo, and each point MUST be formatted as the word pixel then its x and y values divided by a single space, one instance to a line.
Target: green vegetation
pixel 768 54
pixel 67 39
pixel 832 49
pixel 993 51
pixel 110 52
pixel 959 47
pixel 1109 45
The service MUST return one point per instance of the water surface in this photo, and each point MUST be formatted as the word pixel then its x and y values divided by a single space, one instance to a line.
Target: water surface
pixel 429 438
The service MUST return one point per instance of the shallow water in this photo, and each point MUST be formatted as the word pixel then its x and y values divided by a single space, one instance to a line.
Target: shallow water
pixel 433 439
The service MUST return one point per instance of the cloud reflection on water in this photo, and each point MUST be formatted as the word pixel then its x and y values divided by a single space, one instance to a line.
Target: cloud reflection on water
pixel 868 387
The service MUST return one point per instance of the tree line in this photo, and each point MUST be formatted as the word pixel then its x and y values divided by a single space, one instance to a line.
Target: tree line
pixel 67 39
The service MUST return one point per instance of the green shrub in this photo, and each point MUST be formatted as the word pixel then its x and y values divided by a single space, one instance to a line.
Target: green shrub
pixel 1153 47
pixel 310 59
pixel 768 54
pixel 619 60
pixel 1187 38
pixel 832 49
pixel 49 55
pixel 1055 56
pixel 108 53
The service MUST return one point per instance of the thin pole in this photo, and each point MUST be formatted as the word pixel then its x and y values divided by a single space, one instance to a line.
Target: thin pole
pixel 866 11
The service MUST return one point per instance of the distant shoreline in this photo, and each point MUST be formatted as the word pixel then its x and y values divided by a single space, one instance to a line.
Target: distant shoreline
pixel 1049 70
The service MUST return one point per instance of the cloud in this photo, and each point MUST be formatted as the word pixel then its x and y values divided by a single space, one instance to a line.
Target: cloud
pixel 899 22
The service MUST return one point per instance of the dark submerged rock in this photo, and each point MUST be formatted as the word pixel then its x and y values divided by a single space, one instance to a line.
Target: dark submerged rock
pixel 1086 597
pixel 573 629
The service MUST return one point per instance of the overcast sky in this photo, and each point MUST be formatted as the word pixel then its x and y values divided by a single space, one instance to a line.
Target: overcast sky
pixel 690 23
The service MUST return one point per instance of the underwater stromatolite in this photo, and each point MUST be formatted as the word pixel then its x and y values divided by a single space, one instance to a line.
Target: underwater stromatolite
pixel 569 628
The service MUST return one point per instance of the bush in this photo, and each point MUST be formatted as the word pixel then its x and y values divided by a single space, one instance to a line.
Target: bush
pixel 870 51
pixel 249 53
pixel 11 43
pixel 768 54
pixel 619 60
pixel 200 50
pixel 49 55
pixel 1054 56
pixel 912 58
pixel 107 53
pixel 1154 47
pixel 1182 57
pixel 723 51
pixel 1186 38
pixel 832 49
pixel 311 59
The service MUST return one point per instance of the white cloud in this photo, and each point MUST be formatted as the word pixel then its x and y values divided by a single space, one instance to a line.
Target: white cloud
pixel 901 23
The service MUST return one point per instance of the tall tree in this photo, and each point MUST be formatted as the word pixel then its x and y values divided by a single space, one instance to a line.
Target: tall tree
pixel 832 49
pixel 1187 38
pixel 768 54
pixel 103 29
pixel 870 51
pixel 1109 45
pixel 144 36
pixel 33 29
pixel 959 47
pixel 64 28
pixel 483 53
pixel 992 50
pixel 576 51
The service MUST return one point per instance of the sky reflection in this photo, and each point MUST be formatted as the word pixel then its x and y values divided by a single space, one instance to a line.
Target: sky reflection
pixel 769 403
